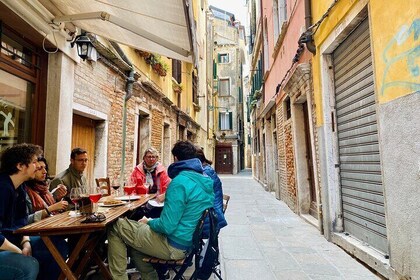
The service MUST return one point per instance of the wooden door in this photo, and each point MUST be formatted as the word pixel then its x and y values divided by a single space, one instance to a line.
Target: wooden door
pixel 224 160
pixel 83 136
pixel 309 161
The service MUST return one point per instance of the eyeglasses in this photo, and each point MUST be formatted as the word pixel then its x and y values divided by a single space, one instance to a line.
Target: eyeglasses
pixel 151 157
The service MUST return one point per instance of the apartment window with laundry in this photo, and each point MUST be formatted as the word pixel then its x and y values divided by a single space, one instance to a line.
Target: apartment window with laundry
pixel 223 58
pixel 176 70
pixel 225 121
pixel 224 86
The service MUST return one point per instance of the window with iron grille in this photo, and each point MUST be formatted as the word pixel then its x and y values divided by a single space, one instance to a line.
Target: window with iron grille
pixel 176 70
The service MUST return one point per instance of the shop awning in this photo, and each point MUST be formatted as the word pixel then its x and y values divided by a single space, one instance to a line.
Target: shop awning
pixel 161 27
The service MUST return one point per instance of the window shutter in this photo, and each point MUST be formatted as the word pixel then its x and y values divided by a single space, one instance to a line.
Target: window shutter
pixel 220 121
pixel 219 58
pixel 214 70
pixel 230 121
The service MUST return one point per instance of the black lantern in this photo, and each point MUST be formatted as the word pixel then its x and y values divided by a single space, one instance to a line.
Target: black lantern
pixel 84 46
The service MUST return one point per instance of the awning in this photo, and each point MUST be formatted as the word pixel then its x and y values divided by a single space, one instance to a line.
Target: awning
pixel 161 27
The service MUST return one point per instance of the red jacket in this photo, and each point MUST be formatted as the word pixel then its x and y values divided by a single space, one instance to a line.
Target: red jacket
pixel 162 178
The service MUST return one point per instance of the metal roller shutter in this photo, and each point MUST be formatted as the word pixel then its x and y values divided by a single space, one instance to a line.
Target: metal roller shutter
pixel 360 165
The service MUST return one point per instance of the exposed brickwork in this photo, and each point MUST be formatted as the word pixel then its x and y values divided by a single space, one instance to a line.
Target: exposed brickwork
pixel 281 151
pixel 290 165
pixel 157 129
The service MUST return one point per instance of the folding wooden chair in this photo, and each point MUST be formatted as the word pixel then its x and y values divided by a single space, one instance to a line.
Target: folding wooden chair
pixel 179 266
pixel 226 199
pixel 105 185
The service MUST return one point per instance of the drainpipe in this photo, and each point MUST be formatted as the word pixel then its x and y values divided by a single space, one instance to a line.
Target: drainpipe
pixel 128 93
pixel 307 36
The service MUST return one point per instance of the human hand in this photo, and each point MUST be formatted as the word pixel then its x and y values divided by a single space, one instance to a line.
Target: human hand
pixel 60 191
pixel 27 249
pixel 160 198
pixel 144 220
pixel 59 206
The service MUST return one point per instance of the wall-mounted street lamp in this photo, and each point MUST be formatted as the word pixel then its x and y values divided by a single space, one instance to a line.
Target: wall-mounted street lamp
pixel 84 46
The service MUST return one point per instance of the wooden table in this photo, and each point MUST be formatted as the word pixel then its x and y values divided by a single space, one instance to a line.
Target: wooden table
pixel 90 234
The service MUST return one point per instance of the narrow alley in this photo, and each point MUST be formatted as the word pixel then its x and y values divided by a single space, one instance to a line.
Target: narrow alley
pixel 265 240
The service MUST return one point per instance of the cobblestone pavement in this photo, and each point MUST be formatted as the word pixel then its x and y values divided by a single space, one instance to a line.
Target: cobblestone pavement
pixel 265 240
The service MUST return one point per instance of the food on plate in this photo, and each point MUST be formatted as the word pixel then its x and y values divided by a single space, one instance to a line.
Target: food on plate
pixel 112 202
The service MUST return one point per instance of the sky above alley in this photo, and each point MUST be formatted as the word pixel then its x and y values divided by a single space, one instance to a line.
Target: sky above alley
pixel 236 7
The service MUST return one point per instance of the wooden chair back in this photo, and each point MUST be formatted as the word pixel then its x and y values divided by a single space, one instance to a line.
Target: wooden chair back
pixel 105 185
pixel 226 199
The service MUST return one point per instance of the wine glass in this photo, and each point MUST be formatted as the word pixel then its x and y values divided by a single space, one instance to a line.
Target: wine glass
pixel 115 184
pixel 94 196
pixel 75 196
pixel 146 186
pixel 129 187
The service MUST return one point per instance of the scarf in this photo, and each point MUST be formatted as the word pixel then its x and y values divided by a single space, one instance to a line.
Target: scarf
pixel 40 195
pixel 149 177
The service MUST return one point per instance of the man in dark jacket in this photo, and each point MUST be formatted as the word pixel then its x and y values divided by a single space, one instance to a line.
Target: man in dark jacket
pixel 169 236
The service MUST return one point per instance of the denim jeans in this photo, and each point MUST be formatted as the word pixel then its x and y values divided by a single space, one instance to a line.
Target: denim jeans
pixel 17 266
pixel 48 267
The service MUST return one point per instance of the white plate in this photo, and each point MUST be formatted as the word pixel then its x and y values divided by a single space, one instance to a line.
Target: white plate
pixel 125 197
pixel 154 203
pixel 111 205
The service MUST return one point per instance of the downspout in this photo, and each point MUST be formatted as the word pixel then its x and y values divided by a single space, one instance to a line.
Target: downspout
pixel 312 48
pixel 128 93
pixel 307 36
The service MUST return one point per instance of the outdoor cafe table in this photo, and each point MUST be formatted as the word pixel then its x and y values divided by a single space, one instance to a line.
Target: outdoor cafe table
pixel 90 234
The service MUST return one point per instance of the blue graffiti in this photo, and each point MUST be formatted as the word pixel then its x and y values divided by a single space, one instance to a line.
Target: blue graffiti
pixel 409 56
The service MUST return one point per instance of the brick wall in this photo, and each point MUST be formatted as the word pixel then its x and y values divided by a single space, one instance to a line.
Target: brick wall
pixel 281 151
pixel 157 129
pixel 290 166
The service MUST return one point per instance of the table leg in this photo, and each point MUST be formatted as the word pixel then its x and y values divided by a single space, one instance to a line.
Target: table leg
pixel 75 254
pixel 92 243
pixel 59 259
pixel 105 271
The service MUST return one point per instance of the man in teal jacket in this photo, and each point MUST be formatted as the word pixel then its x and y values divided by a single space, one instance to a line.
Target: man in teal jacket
pixel 170 236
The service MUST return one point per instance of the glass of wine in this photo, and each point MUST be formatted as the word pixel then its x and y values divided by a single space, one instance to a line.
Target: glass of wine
pixel 75 196
pixel 129 187
pixel 94 196
pixel 115 184
pixel 146 186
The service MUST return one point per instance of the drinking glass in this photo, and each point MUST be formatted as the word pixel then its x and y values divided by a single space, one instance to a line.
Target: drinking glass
pixel 115 184
pixel 94 196
pixel 129 187
pixel 75 196
pixel 147 187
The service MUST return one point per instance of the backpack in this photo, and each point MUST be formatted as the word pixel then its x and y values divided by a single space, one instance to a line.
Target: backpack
pixel 207 259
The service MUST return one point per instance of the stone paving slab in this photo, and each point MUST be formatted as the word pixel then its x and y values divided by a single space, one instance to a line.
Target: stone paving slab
pixel 265 240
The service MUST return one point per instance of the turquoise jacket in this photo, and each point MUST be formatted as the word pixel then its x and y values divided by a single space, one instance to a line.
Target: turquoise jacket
pixel 188 195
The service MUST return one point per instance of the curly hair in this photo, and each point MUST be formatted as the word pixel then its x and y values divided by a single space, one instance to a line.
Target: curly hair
pixel 18 154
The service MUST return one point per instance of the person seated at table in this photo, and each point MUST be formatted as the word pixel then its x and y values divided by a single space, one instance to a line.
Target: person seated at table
pixel 152 172
pixel 169 236
pixel 73 176
pixel 18 164
pixel 218 191
pixel 40 201
pixel 14 265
